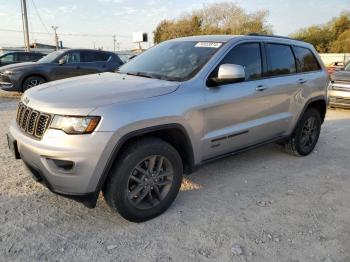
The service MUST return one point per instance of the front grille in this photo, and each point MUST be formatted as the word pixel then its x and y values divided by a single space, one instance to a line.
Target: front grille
pixel 341 85
pixel 32 122
pixel 340 100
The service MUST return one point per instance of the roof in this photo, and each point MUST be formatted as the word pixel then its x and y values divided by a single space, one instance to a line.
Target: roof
pixel 210 38
pixel 227 38
pixel 85 49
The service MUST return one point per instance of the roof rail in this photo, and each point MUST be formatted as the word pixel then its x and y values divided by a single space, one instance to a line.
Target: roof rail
pixel 276 36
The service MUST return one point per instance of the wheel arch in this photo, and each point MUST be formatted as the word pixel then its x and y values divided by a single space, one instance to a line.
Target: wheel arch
pixel 321 106
pixel 174 134
pixel 34 74
pixel 319 103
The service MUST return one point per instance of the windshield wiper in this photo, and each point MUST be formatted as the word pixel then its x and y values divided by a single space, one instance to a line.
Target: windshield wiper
pixel 142 74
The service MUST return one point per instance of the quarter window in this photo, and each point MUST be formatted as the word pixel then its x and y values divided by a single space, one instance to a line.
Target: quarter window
pixel 280 60
pixel 247 55
pixel 95 57
pixel 306 61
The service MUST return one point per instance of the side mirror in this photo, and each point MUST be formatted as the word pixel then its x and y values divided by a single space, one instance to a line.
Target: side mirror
pixel 228 73
pixel 62 61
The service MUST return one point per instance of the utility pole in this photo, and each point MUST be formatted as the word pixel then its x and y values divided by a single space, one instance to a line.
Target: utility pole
pixel 56 36
pixel 114 42
pixel 25 24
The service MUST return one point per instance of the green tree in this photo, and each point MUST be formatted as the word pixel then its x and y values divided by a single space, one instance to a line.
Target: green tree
pixel 329 37
pixel 217 18
pixel 342 44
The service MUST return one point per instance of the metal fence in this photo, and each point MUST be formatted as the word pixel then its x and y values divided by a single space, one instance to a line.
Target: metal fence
pixel 335 57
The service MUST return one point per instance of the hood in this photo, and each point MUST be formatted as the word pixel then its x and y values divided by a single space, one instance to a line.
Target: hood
pixel 341 76
pixel 18 66
pixel 80 95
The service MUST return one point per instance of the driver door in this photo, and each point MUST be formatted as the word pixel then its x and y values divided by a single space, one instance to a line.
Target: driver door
pixel 70 68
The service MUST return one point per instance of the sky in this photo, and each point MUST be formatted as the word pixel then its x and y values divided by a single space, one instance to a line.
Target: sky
pixel 91 23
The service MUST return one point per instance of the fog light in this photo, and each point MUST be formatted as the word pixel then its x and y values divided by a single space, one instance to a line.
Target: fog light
pixel 62 164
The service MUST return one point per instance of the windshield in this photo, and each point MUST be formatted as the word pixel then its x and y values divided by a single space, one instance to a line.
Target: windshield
pixel 347 67
pixel 50 57
pixel 172 61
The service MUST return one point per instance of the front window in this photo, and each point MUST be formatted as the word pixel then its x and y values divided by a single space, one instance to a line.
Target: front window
pixel 172 61
pixel 72 57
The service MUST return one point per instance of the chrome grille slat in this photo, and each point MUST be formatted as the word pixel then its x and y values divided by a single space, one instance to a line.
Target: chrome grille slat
pixel 25 118
pixel 42 125
pixel 32 122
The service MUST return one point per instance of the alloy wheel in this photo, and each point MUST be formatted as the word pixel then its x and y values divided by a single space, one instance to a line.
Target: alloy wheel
pixel 32 83
pixel 150 182
pixel 309 133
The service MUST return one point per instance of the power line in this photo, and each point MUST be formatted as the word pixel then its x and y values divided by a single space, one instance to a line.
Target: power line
pixel 38 14
pixel 67 34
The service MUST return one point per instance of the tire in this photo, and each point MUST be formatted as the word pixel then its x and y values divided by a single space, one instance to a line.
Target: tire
pixel 131 180
pixel 32 81
pixel 304 139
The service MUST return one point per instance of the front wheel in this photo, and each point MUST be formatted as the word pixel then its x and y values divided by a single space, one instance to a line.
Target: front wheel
pixel 145 179
pixel 304 139
pixel 31 82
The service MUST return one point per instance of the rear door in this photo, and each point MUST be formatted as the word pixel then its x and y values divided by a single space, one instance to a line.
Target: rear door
pixel 94 62
pixel 287 86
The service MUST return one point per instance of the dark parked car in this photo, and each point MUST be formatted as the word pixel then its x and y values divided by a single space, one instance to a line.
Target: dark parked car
pixel 57 65
pixel 9 58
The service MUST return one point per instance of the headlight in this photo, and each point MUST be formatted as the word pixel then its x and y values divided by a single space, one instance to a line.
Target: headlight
pixel 75 124
pixel 10 73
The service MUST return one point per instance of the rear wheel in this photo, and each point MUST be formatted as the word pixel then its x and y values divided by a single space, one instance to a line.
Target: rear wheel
pixel 145 180
pixel 31 82
pixel 304 139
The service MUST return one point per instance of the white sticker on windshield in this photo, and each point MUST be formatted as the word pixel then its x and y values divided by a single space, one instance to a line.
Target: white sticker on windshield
pixel 208 44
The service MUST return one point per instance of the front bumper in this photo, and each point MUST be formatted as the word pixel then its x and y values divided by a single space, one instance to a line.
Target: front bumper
pixel 9 83
pixel 85 151
pixel 339 98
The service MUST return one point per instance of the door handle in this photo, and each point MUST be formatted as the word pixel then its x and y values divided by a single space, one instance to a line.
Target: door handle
pixel 301 81
pixel 260 88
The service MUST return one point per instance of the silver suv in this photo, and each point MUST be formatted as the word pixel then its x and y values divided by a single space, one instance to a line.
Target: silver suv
pixel 132 134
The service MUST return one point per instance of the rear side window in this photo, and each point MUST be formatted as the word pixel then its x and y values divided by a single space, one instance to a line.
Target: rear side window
pixel 280 60
pixel 306 60
pixel 23 57
pixel 37 56
pixel 247 55
pixel 95 56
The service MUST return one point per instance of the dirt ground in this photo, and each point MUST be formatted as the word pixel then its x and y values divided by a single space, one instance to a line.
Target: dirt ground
pixel 263 205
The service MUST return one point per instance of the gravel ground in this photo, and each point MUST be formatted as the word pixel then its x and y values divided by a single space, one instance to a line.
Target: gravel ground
pixel 263 205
